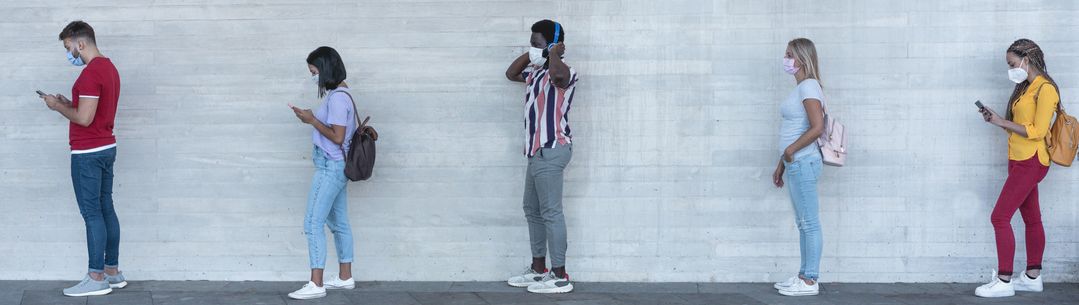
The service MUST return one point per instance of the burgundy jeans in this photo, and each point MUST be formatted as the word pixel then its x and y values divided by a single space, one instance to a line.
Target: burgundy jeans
pixel 1020 192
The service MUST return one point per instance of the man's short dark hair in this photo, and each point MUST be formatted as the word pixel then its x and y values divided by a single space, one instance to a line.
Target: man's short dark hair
pixel 78 29
pixel 331 68
pixel 546 28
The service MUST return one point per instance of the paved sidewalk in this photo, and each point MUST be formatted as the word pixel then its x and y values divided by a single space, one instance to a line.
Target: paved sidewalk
pixel 467 293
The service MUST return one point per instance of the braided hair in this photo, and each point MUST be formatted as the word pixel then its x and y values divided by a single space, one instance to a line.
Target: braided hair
pixel 1027 49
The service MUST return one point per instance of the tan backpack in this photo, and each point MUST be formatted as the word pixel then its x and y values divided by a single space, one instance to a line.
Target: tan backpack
pixel 1063 137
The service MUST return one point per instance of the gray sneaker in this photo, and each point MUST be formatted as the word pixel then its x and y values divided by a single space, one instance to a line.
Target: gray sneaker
pixel 116 281
pixel 88 287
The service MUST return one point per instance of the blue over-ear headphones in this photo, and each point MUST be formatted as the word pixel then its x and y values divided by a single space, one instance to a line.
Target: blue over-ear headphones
pixel 557 28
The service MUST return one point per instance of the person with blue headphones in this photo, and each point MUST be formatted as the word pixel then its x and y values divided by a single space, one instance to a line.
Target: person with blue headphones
pixel 550 85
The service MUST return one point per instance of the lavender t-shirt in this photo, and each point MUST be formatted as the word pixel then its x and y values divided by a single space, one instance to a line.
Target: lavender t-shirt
pixel 336 109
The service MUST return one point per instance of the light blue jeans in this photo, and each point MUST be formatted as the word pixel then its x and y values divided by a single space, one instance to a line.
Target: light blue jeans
pixel 802 175
pixel 327 204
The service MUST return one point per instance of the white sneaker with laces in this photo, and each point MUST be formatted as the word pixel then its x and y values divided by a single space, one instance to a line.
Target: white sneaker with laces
pixel 995 288
pixel 309 291
pixel 800 288
pixel 527 278
pixel 552 284
pixel 1025 283
pixel 785 284
pixel 337 283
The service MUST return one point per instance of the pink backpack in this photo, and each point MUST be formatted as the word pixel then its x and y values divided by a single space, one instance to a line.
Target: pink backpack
pixel 833 141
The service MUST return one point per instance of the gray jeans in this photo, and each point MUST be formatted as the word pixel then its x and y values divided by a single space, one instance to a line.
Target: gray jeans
pixel 543 203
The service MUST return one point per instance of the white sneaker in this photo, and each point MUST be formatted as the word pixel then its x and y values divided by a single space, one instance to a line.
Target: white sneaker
pixel 552 284
pixel 995 288
pixel 787 283
pixel 800 288
pixel 309 291
pixel 1025 283
pixel 527 278
pixel 338 283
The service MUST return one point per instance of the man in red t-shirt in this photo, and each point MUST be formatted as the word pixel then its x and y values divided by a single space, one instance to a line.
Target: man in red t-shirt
pixel 91 111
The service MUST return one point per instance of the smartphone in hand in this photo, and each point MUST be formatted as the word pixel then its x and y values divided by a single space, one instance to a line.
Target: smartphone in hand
pixel 979 104
pixel 40 94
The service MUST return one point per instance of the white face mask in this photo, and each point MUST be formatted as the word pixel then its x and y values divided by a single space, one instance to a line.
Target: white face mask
pixel 1018 75
pixel 314 79
pixel 535 56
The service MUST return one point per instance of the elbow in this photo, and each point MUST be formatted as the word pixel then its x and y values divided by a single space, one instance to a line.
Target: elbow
pixel 511 76
pixel 560 81
pixel 1034 133
pixel 84 122
pixel 815 131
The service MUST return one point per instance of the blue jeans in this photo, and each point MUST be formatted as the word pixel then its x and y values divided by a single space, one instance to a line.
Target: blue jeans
pixel 802 175
pixel 327 204
pixel 91 176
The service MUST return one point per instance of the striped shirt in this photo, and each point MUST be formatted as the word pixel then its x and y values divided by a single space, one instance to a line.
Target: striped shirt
pixel 547 110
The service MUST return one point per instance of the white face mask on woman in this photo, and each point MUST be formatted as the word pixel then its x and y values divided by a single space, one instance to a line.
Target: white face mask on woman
pixel 1018 75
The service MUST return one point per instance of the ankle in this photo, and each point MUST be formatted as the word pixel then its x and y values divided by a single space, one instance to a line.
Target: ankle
pixel 539 264
pixel 97 276
pixel 559 272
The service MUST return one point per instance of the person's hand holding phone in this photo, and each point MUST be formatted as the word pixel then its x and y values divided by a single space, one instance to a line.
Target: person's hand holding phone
pixel 53 101
pixel 988 114
pixel 305 115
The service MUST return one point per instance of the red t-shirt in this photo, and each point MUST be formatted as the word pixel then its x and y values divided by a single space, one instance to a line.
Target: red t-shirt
pixel 98 80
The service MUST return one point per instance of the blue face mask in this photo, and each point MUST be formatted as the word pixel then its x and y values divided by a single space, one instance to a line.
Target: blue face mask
pixel 75 60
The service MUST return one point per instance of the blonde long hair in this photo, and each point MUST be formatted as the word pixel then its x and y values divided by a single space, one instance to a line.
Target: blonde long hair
pixel 806 53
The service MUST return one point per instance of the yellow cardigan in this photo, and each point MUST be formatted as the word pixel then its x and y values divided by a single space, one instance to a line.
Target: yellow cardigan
pixel 1036 117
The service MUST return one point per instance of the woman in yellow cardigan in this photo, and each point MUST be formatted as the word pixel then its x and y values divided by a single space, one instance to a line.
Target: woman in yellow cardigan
pixel 1030 112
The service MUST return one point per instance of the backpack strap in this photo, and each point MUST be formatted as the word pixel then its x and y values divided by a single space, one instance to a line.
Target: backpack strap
pixel 355 112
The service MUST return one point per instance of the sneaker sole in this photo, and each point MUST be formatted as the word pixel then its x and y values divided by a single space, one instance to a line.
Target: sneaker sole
pixel 1038 288
pixel 565 289
pixel 798 293
pixel 91 293
pixel 118 285
pixel 522 285
pixel 996 295
pixel 307 297
pixel 341 287
pixel 778 286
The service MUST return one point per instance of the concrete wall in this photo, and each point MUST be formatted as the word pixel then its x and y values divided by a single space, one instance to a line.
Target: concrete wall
pixel 676 123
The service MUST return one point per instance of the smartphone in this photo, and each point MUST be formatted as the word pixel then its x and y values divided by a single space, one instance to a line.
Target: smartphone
pixel 979 104
pixel 39 93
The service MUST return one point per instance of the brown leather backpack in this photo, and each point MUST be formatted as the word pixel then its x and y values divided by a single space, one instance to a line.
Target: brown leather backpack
pixel 360 157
